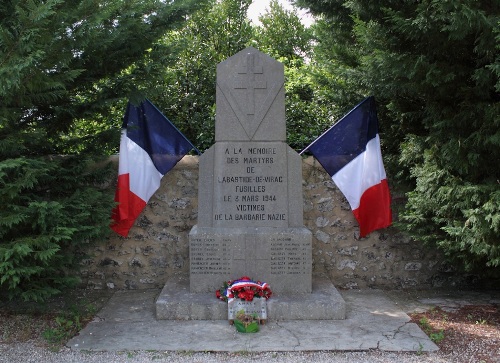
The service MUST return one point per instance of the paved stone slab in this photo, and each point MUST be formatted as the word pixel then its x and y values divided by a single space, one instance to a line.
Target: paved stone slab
pixel 372 322
pixel 416 301
pixel 130 306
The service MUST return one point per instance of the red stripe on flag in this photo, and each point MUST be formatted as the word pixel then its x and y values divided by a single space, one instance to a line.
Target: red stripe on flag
pixel 374 211
pixel 128 209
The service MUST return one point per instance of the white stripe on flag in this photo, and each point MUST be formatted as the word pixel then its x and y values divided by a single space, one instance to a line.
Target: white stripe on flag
pixel 143 175
pixel 363 172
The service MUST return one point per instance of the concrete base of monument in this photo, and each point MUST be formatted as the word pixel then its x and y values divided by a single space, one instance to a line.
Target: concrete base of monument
pixel 176 302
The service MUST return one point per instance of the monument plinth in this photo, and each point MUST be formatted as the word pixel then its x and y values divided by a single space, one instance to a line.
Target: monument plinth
pixel 250 206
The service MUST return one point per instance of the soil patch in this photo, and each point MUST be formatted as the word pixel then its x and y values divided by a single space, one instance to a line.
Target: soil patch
pixel 468 334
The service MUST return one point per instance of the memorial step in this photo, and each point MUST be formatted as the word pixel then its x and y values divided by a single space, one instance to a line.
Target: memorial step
pixel 176 302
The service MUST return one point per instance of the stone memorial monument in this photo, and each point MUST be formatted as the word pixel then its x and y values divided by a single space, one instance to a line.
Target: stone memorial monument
pixel 250 207
pixel 250 220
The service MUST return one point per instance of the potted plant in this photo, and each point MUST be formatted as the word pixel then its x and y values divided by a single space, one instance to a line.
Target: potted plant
pixel 246 323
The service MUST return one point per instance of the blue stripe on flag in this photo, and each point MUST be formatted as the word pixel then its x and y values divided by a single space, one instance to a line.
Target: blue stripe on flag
pixel 153 132
pixel 345 140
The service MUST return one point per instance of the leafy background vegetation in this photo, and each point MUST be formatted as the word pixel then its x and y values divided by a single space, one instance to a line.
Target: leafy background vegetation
pixel 67 69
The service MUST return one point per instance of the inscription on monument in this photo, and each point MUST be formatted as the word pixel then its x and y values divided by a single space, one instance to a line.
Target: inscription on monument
pixel 210 255
pixel 289 256
pixel 250 181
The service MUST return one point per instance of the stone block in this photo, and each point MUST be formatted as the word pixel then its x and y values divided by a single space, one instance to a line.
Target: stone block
pixel 250 98
pixel 177 302
pixel 280 257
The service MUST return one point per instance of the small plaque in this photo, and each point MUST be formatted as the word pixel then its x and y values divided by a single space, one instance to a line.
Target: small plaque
pixel 257 306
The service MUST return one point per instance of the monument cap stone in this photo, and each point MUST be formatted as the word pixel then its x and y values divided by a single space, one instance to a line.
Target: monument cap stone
pixel 250 98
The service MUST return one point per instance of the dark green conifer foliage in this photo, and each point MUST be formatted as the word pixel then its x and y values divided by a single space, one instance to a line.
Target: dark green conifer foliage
pixel 434 68
pixel 64 70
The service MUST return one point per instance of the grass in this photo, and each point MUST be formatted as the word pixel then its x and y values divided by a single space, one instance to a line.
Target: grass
pixel 68 323
pixel 53 322
pixel 435 336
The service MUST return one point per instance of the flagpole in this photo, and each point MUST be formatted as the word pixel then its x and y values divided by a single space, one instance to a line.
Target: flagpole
pixel 185 138
pixel 335 124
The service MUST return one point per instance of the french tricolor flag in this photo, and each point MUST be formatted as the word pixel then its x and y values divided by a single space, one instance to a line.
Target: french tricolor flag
pixel 350 152
pixel 150 146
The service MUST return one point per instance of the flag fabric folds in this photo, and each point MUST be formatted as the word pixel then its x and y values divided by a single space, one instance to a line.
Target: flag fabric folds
pixel 350 152
pixel 150 146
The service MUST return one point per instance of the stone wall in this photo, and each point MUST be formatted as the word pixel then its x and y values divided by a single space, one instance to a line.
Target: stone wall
pixel 158 247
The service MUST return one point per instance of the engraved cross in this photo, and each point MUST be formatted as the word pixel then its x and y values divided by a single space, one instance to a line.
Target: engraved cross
pixel 250 82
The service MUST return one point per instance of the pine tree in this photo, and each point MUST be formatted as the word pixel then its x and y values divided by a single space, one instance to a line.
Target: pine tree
pixel 434 68
pixel 65 65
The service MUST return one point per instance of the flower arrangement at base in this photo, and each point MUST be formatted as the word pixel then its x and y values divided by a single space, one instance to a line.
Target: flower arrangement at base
pixel 246 323
pixel 245 289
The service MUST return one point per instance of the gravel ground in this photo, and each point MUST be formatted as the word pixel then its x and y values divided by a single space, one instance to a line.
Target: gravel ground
pixel 30 353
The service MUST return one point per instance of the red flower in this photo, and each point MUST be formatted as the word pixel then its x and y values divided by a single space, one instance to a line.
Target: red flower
pixel 246 295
